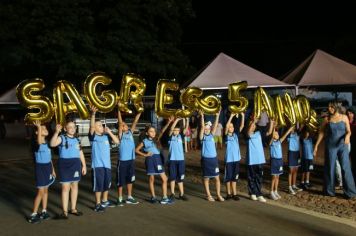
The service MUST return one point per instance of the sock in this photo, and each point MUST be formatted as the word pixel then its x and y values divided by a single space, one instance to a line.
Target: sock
pixel 44 210
pixel 129 197
pixel 120 198
pixel 307 181
pixel 303 182
pixel 294 186
pixel 34 214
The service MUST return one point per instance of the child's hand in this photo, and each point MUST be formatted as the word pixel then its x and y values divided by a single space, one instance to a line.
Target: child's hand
pixel 107 129
pixel 149 154
pixel 54 174
pixel 37 123
pixel 58 128
pixel 93 109
pixel 170 119
pixel 315 151
pixel 84 170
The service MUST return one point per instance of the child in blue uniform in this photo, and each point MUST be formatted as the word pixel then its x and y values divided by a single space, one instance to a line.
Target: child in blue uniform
pixel 126 162
pixel 209 159
pixel 255 159
pixel 100 161
pixel 71 166
pixel 276 158
pixel 44 173
pixel 293 160
pixel 176 163
pixel 307 158
pixel 232 157
pixel 154 162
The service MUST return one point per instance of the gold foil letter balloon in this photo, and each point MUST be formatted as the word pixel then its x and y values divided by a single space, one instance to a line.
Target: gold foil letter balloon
pixel 313 123
pixel 285 110
pixel 302 109
pixel 209 104
pixel 75 103
pixel 234 96
pixel 162 98
pixel 107 100
pixel 128 82
pixel 262 102
pixel 42 104
pixel 188 98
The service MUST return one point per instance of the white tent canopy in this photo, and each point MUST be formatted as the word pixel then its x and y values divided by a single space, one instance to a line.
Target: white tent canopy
pixel 321 68
pixel 9 97
pixel 224 70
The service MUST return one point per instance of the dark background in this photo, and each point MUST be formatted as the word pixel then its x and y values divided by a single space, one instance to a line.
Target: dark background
pixel 69 39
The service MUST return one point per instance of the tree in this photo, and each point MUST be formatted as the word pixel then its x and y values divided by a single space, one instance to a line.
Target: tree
pixel 69 39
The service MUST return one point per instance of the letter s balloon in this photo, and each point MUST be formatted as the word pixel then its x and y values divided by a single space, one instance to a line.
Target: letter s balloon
pixel 24 93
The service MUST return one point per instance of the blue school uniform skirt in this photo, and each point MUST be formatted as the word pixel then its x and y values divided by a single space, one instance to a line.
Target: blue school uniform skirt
pixel 154 165
pixel 276 166
pixel 43 175
pixel 125 173
pixel 210 167
pixel 70 170
pixel 231 171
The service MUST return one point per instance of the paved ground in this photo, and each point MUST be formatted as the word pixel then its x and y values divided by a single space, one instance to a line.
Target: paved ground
pixel 195 217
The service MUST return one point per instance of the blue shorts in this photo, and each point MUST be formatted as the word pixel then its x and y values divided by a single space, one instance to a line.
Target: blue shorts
pixel 307 165
pixel 176 171
pixel 210 167
pixel 154 165
pixel 232 171
pixel 276 166
pixel 101 179
pixel 293 158
pixel 70 170
pixel 43 175
pixel 125 173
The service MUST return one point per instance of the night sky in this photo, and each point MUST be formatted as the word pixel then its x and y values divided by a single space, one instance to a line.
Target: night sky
pixel 270 38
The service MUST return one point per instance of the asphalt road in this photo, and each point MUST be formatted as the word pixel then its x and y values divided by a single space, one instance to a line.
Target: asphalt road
pixel 195 217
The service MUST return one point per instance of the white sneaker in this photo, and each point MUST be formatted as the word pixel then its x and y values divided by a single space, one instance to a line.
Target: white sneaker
pixel 295 188
pixel 253 197
pixel 274 196
pixel 277 195
pixel 291 191
pixel 261 199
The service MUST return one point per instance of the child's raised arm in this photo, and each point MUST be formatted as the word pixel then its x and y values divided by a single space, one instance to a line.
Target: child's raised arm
pixel 228 122
pixel 186 125
pixel 202 125
pixel 170 119
pixel 37 123
pixel 134 123
pixel 215 123
pixel 92 119
pixel 270 128
pixel 114 138
pixel 251 127
pixel 119 120
pixel 284 136
pixel 56 140
pixel 242 122
pixel 173 126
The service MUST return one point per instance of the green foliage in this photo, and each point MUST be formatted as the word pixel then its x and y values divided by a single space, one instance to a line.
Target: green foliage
pixel 68 39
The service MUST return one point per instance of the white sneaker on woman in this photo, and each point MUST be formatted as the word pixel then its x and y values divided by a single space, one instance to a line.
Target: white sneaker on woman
pixel 261 199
